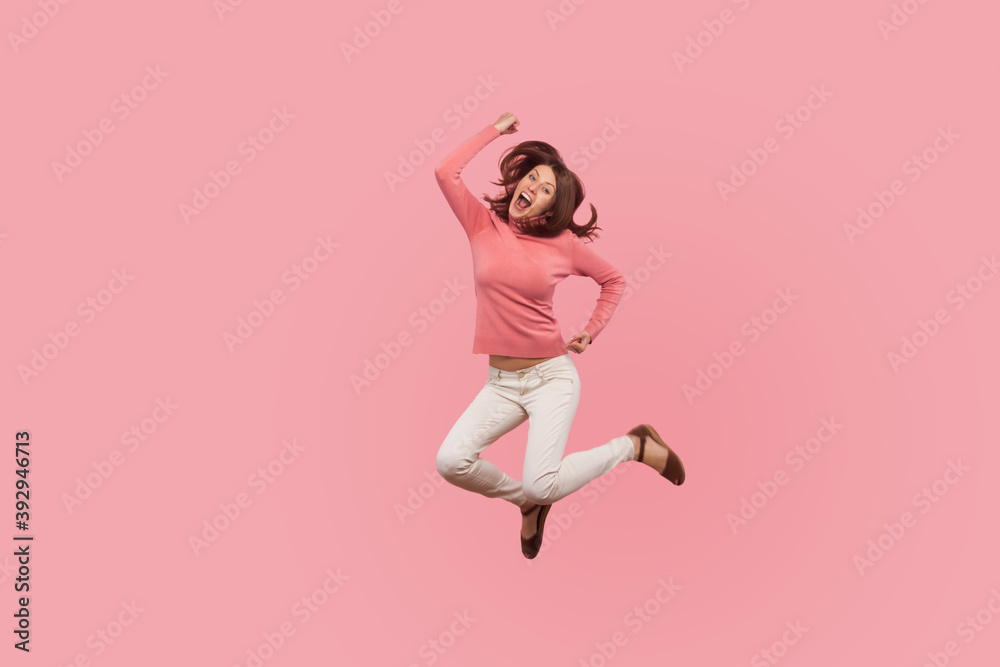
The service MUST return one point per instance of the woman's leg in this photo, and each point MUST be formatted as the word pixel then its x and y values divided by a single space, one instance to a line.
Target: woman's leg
pixel 551 400
pixel 490 415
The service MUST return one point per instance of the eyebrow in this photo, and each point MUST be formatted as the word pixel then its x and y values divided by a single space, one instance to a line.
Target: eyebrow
pixel 535 171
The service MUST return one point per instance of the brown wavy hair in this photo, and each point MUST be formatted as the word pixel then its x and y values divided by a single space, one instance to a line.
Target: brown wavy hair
pixel 515 163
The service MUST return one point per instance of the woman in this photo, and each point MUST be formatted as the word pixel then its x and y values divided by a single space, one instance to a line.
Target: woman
pixel 522 246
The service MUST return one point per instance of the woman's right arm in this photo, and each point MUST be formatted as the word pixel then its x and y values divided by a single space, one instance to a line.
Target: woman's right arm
pixel 469 211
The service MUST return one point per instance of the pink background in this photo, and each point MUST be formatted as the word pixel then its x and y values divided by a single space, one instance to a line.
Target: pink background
pixel 363 455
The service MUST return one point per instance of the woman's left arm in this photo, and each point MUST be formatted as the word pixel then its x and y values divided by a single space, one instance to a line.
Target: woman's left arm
pixel 586 262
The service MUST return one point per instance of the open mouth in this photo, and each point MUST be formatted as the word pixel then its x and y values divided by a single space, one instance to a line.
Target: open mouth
pixel 522 202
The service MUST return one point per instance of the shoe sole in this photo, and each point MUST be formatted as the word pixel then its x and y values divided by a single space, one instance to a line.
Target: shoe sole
pixel 659 441
pixel 534 544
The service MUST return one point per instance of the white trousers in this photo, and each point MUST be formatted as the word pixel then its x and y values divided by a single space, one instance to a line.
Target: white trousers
pixel 547 394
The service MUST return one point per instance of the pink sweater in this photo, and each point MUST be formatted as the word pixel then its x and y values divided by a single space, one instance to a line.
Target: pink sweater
pixel 516 274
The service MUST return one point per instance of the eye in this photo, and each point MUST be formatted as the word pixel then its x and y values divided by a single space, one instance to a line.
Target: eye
pixel 546 190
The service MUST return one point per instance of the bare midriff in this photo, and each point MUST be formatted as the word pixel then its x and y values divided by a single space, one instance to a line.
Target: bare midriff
pixel 515 363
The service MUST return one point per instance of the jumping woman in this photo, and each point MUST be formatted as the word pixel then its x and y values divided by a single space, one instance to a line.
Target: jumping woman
pixel 523 245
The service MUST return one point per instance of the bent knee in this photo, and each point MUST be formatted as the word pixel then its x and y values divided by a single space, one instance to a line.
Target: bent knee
pixel 450 464
pixel 540 492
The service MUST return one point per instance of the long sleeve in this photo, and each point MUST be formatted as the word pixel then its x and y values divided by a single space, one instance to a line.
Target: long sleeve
pixel 586 262
pixel 468 209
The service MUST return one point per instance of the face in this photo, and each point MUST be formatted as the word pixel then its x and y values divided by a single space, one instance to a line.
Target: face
pixel 538 186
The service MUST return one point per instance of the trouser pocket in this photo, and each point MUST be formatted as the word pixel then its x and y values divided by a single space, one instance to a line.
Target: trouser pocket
pixel 559 375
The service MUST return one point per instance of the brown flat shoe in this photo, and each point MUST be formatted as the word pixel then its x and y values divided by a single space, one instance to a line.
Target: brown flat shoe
pixel 530 546
pixel 674 470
